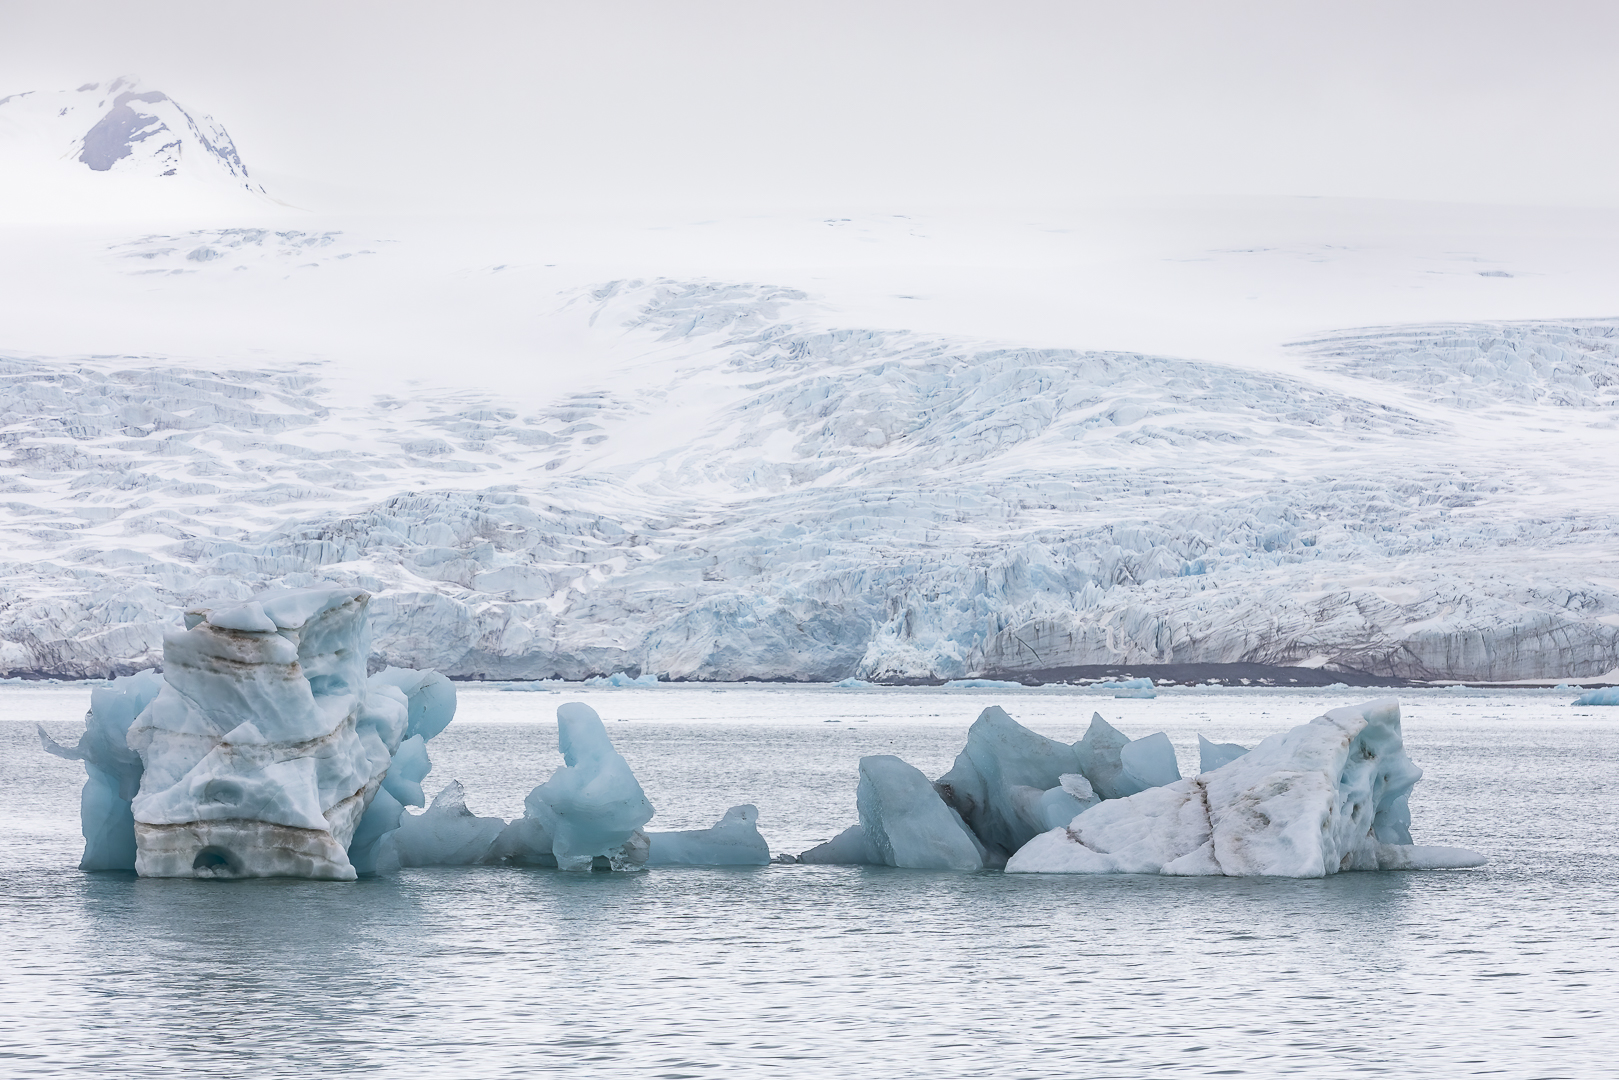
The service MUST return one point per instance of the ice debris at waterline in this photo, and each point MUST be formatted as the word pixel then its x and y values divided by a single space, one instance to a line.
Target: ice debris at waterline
pixel 1325 797
pixel 1608 695
pixel 262 750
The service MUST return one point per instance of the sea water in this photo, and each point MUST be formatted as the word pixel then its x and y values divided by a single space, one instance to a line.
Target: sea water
pixel 800 971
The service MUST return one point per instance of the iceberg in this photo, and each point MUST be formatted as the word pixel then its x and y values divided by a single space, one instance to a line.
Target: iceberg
pixel 1212 755
pixel 592 807
pixel 1072 796
pixel 734 840
pixel 1000 778
pixel 907 823
pixel 1327 796
pixel 1130 688
pixel 851 847
pixel 446 834
pixel 1149 762
pixel 1608 695
pixel 1117 766
pixel 112 768
pixel 525 842
pixel 982 684
pixel 619 680
pixel 264 746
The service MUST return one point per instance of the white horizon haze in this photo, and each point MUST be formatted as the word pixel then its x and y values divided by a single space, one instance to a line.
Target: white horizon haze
pixel 551 108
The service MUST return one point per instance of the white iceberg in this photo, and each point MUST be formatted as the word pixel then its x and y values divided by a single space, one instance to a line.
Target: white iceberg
pixel 592 807
pixel 999 780
pixel 733 841
pixel 113 769
pixel 446 834
pixel 1608 695
pixel 1325 797
pixel 1212 755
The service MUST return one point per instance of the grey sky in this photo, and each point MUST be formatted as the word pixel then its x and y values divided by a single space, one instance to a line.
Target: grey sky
pixel 548 105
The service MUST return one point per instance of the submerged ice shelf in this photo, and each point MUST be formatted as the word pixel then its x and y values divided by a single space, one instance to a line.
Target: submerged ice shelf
pixel 842 503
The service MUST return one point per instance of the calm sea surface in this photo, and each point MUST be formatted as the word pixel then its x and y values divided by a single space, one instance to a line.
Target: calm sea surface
pixel 798 971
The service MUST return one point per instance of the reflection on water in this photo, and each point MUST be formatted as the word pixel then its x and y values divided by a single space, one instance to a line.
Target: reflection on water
pixel 821 971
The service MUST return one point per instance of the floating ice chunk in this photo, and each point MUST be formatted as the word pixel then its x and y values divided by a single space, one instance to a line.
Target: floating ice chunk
pixel 620 679
pixel 851 847
pixel 982 684
pixel 851 684
pixel 1072 797
pixel 1149 762
pixel 1426 857
pixel 1098 758
pixel 1140 834
pixel 446 834
pixel 1130 688
pixel 525 842
pixel 1212 755
pixel 1000 757
pixel 592 806
pixel 1327 796
pixel 431 697
pixel 112 768
pixel 264 747
pixel 408 768
pixel 1114 773
pixel 376 825
pixel 906 821
pixel 733 841
pixel 1606 696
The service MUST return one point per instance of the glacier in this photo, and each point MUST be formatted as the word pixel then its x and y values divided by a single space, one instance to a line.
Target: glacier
pixel 845 502
pixel 1326 797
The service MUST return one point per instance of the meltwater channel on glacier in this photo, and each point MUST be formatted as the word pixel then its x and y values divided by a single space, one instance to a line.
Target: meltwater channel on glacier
pixel 807 971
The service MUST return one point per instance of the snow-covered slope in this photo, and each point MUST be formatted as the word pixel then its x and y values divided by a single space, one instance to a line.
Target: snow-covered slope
pixel 754 487
pixel 116 149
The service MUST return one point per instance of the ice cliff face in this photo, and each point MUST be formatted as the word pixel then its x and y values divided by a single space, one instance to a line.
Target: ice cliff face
pixel 123 128
pixel 776 496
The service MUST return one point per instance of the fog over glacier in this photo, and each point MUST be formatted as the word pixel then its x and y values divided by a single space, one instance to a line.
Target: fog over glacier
pixel 858 424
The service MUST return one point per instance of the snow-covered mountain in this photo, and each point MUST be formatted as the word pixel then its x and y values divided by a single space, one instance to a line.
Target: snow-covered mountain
pixel 118 147
pixel 761 489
